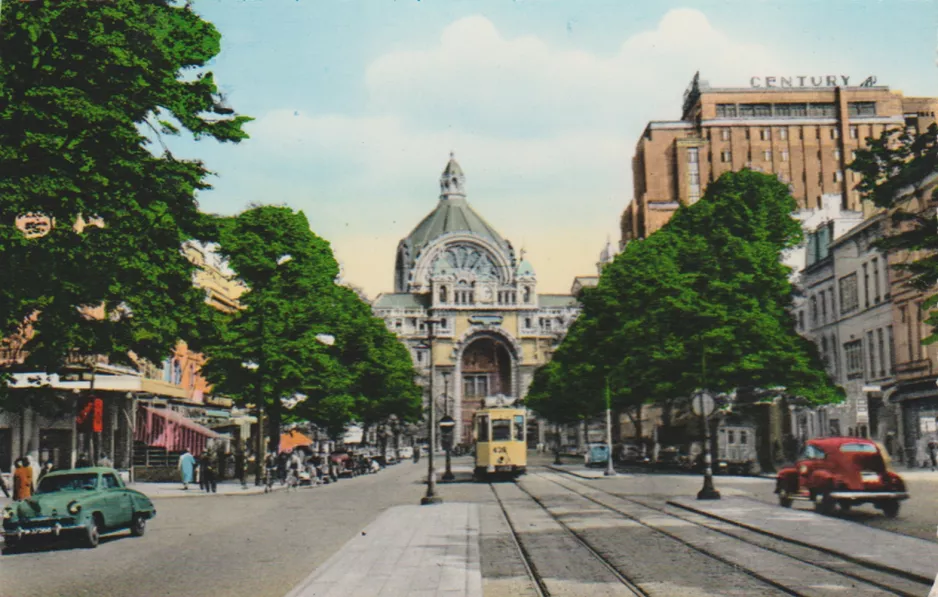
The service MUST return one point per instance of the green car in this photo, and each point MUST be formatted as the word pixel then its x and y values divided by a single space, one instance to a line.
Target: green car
pixel 83 503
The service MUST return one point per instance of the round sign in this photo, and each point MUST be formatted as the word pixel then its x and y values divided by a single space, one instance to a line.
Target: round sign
pixel 447 423
pixel 703 404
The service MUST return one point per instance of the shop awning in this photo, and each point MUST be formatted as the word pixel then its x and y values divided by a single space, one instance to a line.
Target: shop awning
pixel 166 428
pixel 293 439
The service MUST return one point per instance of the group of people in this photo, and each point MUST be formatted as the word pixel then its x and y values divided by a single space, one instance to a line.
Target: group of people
pixel 205 464
pixel 24 485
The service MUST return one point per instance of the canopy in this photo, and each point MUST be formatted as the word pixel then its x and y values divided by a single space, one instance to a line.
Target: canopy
pixel 293 439
pixel 166 428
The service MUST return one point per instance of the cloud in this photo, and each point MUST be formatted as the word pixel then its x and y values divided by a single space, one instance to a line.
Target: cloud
pixel 545 135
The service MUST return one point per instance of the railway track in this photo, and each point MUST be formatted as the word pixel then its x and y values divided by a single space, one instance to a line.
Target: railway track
pixel 566 507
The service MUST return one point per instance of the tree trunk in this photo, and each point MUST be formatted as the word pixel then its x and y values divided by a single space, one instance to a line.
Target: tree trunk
pixel 273 413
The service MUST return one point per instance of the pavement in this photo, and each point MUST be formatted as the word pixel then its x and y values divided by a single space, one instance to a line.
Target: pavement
pixel 584 472
pixel 909 556
pixel 409 551
pixel 225 488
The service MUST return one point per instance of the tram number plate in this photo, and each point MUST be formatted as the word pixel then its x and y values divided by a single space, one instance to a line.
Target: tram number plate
pixel 501 468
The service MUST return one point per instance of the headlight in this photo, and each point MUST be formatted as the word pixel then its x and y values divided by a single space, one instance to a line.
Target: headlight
pixel 7 513
pixel 74 507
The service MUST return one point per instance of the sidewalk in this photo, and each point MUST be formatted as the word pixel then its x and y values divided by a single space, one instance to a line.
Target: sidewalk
pixel 409 551
pixel 909 556
pixel 171 490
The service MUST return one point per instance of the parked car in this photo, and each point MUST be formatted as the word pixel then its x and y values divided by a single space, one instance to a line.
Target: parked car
pixel 841 470
pixel 84 503
pixel 596 454
pixel 629 452
pixel 406 452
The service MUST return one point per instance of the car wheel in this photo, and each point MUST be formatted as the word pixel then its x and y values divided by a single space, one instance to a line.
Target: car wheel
pixel 92 535
pixel 824 503
pixel 139 525
pixel 891 508
pixel 784 498
pixel 845 506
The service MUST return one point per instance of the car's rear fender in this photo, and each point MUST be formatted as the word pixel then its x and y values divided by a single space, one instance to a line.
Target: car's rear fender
pixel 787 479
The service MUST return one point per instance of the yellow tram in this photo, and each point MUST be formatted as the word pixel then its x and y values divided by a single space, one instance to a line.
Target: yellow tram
pixel 501 447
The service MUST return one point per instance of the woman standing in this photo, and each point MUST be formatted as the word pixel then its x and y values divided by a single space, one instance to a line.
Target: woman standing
pixel 186 468
pixel 22 480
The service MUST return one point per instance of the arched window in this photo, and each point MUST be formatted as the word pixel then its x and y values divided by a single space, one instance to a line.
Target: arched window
pixel 443 294
pixel 527 294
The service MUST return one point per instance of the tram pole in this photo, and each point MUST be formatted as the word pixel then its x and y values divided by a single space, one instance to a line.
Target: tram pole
pixel 431 497
pixel 610 469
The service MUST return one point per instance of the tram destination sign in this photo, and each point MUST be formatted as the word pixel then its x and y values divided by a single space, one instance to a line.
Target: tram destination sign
pixel 798 81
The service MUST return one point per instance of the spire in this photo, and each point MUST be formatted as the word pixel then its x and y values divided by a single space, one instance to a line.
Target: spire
pixel 452 181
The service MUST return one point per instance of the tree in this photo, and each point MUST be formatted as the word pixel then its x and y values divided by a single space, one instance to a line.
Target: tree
pixel 101 270
pixel 892 167
pixel 702 303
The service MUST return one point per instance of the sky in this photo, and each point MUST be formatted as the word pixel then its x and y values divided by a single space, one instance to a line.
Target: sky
pixel 358 104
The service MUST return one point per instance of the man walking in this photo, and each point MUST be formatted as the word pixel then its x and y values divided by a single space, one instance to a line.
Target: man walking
pixel 207 473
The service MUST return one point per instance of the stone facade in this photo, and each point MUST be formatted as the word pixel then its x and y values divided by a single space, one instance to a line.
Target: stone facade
pixel 493 328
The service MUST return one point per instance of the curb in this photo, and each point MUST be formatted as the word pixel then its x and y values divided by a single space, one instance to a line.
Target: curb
pixel 203 494
pixel 581 475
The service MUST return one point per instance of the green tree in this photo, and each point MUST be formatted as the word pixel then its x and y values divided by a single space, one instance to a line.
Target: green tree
pixel 82 84
pixel 892 167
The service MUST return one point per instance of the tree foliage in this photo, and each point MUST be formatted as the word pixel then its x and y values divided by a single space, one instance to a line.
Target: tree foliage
pixel 892 168
pixel 701 303
pixel 291 305
pixel 83 83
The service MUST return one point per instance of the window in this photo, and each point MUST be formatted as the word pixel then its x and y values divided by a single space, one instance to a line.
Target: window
pixel 800 320
pixel 918 330
pixel 838 175
pixel 692 155
pixel 814 311
pixel 881 350
pixel 177 372
pixel 482 428
pixel 853 352
pixel 110 481
pixel 726 110
pixel 783 134
pixel 861 108
pixel 726 156
pixel 527 322
pixel 765 134
pixel 871 353
pixel 892 349
pixel 798 110
pixel 519 428
pixel 725 133
pixel 443 294
pixel 823 307
pixel 743 438
pixel 876 295
pixel 784 155
pixel 444 323
pixel 730 436
pixel 767 155
pixel 866 286
pixel 854 132
pixel 835 133
pixel 811 453
pixel 762 110
pixel 836 154
pixel 849 298
pixel 501 430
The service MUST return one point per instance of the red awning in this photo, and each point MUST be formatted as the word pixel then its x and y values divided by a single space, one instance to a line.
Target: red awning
pixel 293 439
pixel 166 428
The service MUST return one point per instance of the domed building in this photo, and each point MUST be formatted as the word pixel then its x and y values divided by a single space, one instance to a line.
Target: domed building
pixel 493 328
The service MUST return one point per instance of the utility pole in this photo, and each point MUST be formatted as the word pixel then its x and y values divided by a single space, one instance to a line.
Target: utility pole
pixel 708 492
pixel 610 470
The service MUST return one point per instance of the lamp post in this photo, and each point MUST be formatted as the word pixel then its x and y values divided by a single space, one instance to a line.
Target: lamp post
pixel 610 470
pixel 448 475
pixel 706 404
pixel 431 497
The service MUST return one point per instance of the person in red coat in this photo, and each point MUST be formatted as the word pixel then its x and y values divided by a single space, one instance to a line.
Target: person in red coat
pixel 22 479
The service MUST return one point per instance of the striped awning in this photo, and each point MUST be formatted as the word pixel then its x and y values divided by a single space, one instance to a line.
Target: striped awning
pixel 166 428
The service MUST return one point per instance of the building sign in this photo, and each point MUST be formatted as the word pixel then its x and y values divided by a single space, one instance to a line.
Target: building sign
pixel 807 81
pixel 863 409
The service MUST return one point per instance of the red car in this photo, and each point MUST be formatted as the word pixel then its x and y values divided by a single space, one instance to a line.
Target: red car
pixel 841 470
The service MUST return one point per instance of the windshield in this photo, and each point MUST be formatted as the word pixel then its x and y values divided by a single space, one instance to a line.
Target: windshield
pixel 501 430
pixel 864 448
pixel 68 483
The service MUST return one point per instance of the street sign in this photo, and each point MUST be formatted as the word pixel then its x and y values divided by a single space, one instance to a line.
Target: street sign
pixel 447 425
pixel 703 404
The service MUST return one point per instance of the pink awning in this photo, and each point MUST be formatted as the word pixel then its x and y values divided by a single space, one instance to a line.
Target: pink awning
pixel 166 428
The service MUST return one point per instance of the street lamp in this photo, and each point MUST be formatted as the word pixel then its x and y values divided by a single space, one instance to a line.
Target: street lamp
pixel 446 428
pixel 431 497
pixel 610 470
pixel 704 406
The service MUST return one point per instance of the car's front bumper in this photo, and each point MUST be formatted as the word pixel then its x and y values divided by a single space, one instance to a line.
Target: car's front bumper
pixel 867 496
pixel 34 529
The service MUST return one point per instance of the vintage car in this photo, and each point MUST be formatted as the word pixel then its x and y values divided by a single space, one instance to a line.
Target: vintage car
pixel 83 503
pixel 596 454
pixel 841 470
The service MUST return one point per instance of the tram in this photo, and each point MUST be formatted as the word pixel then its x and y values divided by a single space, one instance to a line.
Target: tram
pixel 500 446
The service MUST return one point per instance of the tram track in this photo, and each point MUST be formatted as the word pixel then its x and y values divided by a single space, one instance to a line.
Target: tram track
pixel 887 583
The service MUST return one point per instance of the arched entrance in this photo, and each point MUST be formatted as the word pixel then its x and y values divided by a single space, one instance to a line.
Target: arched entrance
pixel 486 370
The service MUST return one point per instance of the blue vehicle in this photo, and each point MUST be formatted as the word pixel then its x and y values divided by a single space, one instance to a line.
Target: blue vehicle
pixel 596 454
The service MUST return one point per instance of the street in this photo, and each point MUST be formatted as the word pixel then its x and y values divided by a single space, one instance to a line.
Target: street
pixel 268 544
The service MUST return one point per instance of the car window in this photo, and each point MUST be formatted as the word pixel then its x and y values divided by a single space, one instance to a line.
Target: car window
pixel 519 428
pixel 501 430
pixel 111 482
pixel 864 448
pixel 78 482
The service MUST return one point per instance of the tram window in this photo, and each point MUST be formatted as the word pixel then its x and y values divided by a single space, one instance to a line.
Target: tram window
pixel 742 437
pixel 519 428
pixel 483 429
pixel 730 439
pixel 501 430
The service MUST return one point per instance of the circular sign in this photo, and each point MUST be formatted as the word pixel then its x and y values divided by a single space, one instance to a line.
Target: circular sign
pixel 703 404
pixel 447 423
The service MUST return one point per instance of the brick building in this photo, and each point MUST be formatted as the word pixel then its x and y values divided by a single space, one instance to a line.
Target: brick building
pixel 804 129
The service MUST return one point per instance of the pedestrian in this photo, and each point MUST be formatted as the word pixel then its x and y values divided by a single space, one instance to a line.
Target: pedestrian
pixel 22 480
pixel 207 479
pixel 933 453
pixel 47 468
pixel 416 454
pixel 186 467
pixel 83 461
pixel 104 461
